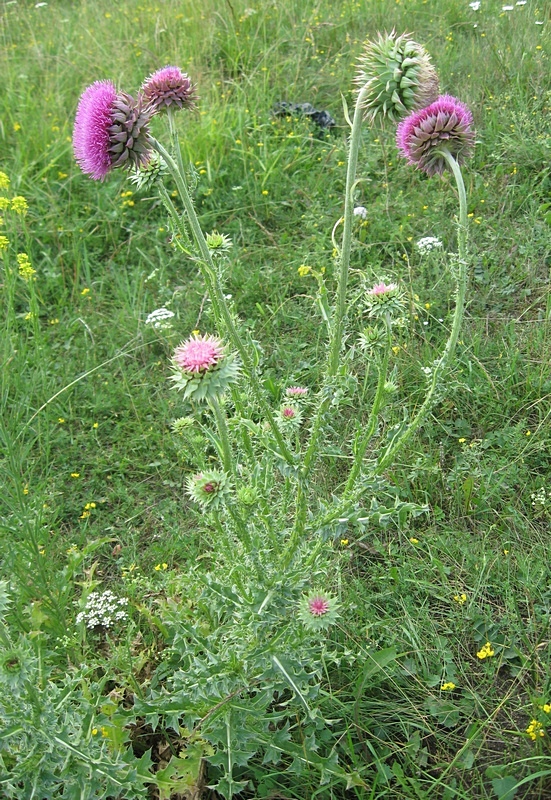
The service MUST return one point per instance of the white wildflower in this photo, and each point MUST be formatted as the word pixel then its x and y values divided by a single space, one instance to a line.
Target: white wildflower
pixel 103 609
pixel 475 6
pixel 160 318
pixel 428 243
pixel 360 212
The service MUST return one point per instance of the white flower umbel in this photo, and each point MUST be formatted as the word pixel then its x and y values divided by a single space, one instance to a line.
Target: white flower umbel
pixel 428 243
pixel 103 609
pixel 160 318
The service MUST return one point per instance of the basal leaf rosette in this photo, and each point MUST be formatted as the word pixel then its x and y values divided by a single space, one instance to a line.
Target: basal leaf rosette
pixel 398 76
pixel 111 130
pixel 209 489
pixel 443 125
pixel 203 369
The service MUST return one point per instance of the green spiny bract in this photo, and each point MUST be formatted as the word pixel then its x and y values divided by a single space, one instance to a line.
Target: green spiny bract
pixel 397 75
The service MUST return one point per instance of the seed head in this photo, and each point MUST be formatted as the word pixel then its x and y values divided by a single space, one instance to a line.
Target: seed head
pixel 444 125
pixel 111 130
pixel 398 75
pixel 169 87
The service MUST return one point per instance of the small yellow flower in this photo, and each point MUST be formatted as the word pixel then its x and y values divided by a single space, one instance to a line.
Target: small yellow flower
pixel 413 540
pixel 4 180
pixel 75 474
pixel 94 731
pixel 4 242
pixel 157 567
pixel 448 687
pixel 19 205
pixel 84 515
pixel 486 651
pixel 303 270
pixel 535 729
pixel 26 489
pixel 4 203
pixel 104 730
pixel 54 321
pixel 528 433
pixel 16 127
pixel 85 292
pixel 462 440
pixel 546 707
pixel 95 425
pixel 24 266
pixel 396 349
pixel 264 192
pixel 460 598
pixel 344 542
pixel 505 552
pixel 61 175
pixel 428 305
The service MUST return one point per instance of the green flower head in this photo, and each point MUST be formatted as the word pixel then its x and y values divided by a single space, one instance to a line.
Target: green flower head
pixel 396 76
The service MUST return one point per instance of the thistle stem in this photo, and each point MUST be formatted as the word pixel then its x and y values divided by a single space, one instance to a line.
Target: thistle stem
pixel 222 426
pixel 211 277
pixel 373 416
pixel 339 312
pixel 443 361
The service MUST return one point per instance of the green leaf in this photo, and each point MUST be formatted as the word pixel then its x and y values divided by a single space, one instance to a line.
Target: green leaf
pixel 505 788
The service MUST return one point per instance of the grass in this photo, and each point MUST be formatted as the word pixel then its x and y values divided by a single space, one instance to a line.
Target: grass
pixel 86 411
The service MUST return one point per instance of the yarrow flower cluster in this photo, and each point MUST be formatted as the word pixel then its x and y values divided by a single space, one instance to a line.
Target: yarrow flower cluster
pixel 169 87
pixel 428 243
pixel 398 75
pixel 103 609
pixel 203 369
pixel 111 130
pixel 318 610
pixel 160 318
pixel 444 125
pixel 361 212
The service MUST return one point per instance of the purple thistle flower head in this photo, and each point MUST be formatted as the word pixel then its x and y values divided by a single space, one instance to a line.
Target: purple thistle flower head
pixel 169 87
pixel 444 125
pixel 111 130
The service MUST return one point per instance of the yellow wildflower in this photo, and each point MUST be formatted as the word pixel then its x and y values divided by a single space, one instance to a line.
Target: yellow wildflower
pixel 4 180
pixel 460 598
pixel 448 687
pixel 75 474
pixel 413 540
pixel 19 205
pixel 85 292
pixel 4 203
pixel 4 242
pixel 24 266
pixel 344 542
pixel 303 270
pixel 546 707
pixel 535 729
pixel 486 651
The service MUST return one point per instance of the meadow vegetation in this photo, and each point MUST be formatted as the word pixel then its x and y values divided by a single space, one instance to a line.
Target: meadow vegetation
pixel 121 598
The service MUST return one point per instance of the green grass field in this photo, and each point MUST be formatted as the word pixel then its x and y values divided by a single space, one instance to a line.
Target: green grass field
pixel 436 681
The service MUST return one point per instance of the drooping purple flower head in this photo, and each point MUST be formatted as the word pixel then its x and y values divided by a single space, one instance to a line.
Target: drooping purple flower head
pixel 169 87
pixel 444 125
pixel 111 130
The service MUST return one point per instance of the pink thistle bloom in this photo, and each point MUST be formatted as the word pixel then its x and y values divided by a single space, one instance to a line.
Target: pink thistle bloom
pixel 444 125
pixel 111 130
pixel 318 606
pixel 288 412
pixel 168 87
pixel 198 354
pixel 296 391
pixel 382 288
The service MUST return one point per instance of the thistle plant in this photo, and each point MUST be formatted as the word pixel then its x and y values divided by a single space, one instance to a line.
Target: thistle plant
pixel 269 594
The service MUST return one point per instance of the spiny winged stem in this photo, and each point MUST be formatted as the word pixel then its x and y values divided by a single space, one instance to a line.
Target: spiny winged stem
pixel 373 416
pixel 339 311
pixel 220 417
pixel 443 361
pixel 210 275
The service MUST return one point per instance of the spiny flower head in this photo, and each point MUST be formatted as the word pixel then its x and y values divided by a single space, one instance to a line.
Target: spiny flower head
pixel 296 392
pixel 382 288
pixel 290 415
pixel 443 125
pixel 203 369
pixel 169 87
pixel 111 130
pixel 148 174
pixel 198 354
pixel 397 76
pixel 318 610
pixel 208 488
